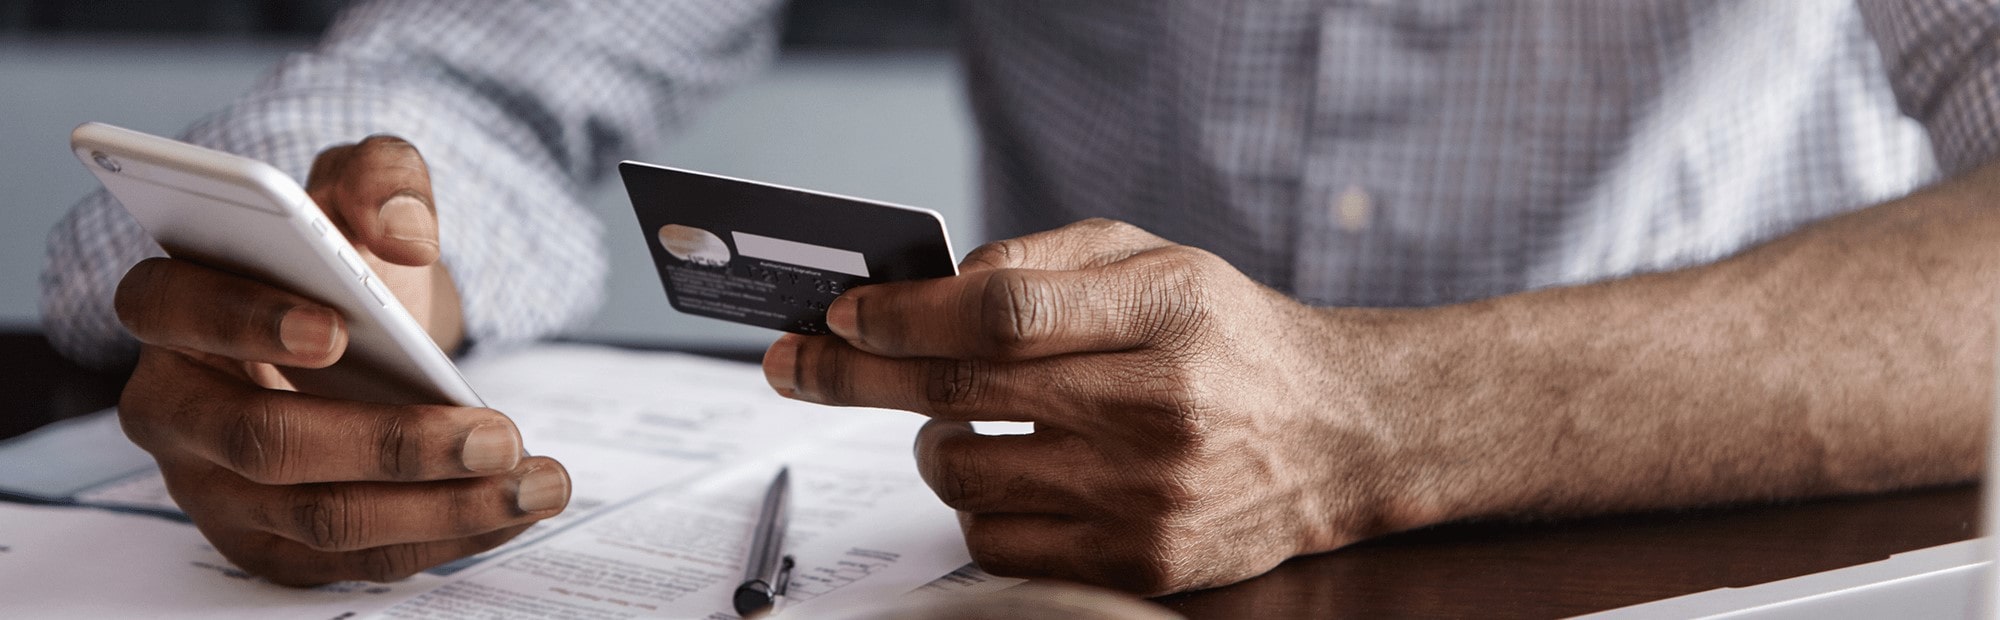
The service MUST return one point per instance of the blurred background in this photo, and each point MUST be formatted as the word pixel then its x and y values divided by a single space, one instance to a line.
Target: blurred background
pixel 864 100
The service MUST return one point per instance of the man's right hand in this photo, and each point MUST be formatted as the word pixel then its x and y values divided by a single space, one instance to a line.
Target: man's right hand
pixel 304 489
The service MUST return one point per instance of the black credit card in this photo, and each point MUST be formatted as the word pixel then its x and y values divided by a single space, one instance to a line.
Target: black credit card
pixel 774 256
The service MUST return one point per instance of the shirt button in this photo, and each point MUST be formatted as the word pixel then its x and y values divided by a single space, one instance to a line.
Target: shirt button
pixel 1353 209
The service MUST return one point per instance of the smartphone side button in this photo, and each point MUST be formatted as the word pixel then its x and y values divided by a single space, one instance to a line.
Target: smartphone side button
pixel 353 264
pixel 319 226
pixel 382 295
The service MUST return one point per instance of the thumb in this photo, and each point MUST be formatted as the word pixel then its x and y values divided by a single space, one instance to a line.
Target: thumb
pixel 379 192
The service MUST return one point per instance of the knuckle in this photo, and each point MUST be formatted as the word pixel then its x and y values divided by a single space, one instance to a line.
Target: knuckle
pixel 960 484
pixel 998 254
pixel 1159 491
pixel 1197 259
pixel 253 443
pixel 328 518
pixel 1109 233
pixel 1018 311
pixel 825 370
pixel 1177 305
pixel 1177 383
pixel 1104 226
pixel 953 387
pixel 1179 395
pixel 1101 241
pixel 1171 401
pixel 1195 266
pixel 391 562
pixel 146 417
pixel 462 510
pixel 399 448
pixel 1022 489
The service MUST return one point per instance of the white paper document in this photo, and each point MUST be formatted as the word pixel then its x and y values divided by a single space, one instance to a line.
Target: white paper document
pixel 76 562
pixel 668 455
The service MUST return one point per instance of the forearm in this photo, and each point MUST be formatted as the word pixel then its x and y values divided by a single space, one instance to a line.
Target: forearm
pixel 1852 356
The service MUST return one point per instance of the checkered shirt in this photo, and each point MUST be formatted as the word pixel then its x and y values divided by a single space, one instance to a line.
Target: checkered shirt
pixel 1351 152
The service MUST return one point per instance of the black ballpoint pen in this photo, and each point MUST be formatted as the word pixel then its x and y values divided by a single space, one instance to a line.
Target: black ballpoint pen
pixel 767 573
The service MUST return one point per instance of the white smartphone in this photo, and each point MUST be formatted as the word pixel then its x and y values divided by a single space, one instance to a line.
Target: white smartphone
pixel 245 217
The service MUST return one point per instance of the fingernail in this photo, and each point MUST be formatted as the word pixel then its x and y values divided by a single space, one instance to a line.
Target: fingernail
pixel 543 489
pixel 843 316
pixel 308 330
pixel 781 363
pixel 405 218
pixel 490 448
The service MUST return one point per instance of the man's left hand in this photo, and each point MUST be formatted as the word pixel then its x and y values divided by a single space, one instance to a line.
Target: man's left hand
pixel 1192 428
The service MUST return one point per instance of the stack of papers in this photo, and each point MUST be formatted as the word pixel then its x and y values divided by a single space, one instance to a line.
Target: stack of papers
pixel 667 453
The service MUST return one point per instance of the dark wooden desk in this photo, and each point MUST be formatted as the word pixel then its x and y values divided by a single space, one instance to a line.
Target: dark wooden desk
pixel 1482 570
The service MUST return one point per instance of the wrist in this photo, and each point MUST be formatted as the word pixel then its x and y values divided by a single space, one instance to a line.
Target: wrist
pixel 1364 467
pixel 1410 430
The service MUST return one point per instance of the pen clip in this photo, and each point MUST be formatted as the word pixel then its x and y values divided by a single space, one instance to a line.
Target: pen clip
pixel 783 587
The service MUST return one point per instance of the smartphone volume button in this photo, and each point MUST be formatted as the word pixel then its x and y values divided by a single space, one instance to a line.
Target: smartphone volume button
pixel 382 295
pixel 319 226
pixel 354 265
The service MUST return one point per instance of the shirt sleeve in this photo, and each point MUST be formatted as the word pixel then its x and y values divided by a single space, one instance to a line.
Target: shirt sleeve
pixel 1943 59
pixel 517 107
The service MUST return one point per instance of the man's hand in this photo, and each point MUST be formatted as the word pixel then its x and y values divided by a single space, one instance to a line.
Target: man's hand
pixel 1187 433
pixel 303 489
pixel 1193 428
